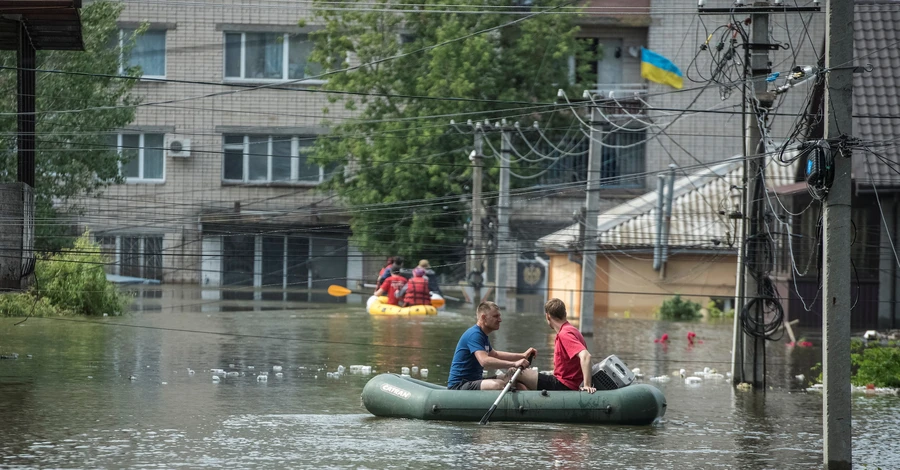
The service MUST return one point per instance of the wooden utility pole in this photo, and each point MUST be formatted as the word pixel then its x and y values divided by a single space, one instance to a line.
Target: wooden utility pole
pixel 836 238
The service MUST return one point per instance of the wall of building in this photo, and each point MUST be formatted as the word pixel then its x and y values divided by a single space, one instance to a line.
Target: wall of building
pixel 629 285
pixel 203 111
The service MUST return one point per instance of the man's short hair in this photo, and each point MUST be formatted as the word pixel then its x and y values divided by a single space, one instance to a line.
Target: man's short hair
pixel 556 309
pixel 485 308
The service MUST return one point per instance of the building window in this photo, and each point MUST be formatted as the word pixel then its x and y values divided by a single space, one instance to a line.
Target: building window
pixel 143 155
pixel 135 256
pixel 604 69
pixel 622 163
pixel 148 53
pixel 269 56
pixel 270 159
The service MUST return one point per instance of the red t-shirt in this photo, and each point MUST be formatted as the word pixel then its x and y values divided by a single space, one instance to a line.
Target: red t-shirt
pixel 566 364
pixel 391 285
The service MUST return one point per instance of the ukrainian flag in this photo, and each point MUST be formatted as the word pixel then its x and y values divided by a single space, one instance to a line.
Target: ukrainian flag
pixel 657 68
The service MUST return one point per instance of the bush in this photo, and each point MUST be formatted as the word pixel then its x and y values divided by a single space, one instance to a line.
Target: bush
pixel 877 365
pixel 678 309
pixel 23 304
pixel 716 312
pixel 69 282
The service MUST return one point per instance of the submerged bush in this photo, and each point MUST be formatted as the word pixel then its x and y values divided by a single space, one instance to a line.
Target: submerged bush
pixel 877 365
pixel 716 312
pixel 678 309
pixel 69 282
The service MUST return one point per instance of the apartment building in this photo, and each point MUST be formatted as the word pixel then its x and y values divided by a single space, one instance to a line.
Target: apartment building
pixel 219 190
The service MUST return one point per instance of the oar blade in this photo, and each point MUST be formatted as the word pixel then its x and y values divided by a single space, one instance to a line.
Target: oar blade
pixel 338 291
pixel 487 416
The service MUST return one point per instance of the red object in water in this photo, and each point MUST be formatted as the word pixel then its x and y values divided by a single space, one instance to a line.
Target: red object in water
pixel 870 386
pixel 804 344
pixel 662 339
pixel 690 336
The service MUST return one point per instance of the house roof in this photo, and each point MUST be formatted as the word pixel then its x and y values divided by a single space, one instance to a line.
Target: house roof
pixel 877 93
pixel 696 221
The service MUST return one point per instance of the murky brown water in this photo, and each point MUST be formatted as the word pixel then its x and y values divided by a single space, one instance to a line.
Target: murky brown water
pixel 73 404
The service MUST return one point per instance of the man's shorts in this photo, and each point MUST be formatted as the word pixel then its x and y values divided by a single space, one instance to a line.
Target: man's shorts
pixel 470 385
pixel 549 382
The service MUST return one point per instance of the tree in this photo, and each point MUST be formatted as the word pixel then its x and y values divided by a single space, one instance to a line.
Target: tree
pixel 75 114
pixel 407 175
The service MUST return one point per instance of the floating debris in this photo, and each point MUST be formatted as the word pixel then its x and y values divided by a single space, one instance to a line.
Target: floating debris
pixel 661 379
pixel 262 378
pixel 404 371
pixel 693 380
pixel 215 378
pixel 744 387
pixel 9 356
pixel 276 368
pixel 415 370
pixel 279 375
pixel 424 373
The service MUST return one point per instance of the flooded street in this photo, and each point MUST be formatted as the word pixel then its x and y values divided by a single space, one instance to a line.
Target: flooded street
pixel 117 392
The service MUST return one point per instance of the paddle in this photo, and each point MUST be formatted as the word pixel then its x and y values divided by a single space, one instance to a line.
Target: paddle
pixel 341 291
pixel 509 384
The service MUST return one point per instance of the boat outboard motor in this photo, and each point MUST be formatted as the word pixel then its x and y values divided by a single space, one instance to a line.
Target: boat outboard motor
pixel 610 374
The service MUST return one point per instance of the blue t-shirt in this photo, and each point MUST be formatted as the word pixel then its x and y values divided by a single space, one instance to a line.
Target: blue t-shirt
pixel 465 366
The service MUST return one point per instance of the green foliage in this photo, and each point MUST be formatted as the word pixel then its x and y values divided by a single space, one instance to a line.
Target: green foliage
pixel 69 282
pixel 677 308
pixel 75 113
pixel 398 147
pixel 25 304
pixel 716 312
pixel 877 365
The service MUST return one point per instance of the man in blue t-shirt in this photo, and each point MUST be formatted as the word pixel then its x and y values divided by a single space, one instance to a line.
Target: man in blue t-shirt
pixel 474 353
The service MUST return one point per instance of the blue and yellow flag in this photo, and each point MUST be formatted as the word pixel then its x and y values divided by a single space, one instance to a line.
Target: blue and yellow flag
pixel 657 68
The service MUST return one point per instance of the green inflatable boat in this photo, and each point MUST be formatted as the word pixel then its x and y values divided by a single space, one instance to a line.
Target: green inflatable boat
pixel 391 395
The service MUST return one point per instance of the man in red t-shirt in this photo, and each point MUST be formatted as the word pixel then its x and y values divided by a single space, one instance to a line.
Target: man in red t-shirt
pixel 391 285
pixel 571 359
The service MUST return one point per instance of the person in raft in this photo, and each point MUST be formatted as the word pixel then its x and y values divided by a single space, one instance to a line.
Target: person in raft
pixel 416 290
pixel 385 269
pixel 392 285
pixel 474 353
pixel 571 359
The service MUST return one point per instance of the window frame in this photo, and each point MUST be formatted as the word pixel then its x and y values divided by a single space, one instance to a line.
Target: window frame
pixel 285 61
pixel 143 72
pixel 140 178
pixel 296 150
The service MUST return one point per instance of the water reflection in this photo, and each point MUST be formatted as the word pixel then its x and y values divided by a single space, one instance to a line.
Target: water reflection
pixel 73 404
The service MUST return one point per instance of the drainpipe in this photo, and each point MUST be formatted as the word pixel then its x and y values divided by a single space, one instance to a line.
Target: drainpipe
pixel 667 226
pixel 894 269
pixel 657 248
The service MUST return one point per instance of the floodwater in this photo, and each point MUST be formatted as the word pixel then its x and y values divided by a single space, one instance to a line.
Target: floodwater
pixel 116 392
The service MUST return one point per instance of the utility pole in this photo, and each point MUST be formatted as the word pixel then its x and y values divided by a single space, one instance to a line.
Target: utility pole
pixel 754 351
pixel 748 351
pixel 476 267
pixel 589 242
pixel 504 253
pixel 836 238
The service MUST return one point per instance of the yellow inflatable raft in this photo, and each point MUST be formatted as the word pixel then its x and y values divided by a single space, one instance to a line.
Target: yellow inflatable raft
pixel 379 306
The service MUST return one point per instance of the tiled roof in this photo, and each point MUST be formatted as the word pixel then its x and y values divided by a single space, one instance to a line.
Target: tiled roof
pixel 877 93
pixel 695 222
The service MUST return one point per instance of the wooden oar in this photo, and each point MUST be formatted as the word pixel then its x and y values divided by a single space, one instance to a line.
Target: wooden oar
pixel 487 416
pixel 341 291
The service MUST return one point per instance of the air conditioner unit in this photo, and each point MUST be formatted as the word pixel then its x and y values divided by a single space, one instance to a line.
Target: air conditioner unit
pixel 177 146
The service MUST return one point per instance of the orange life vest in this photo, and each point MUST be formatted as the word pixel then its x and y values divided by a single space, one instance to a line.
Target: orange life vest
pixel 417 292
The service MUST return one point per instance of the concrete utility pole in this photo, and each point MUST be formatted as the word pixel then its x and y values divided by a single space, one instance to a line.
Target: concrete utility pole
pixel 505 254
pixel 836 239
pixel 477 253
pixel 589 247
